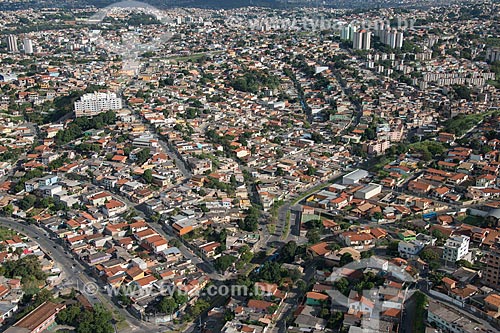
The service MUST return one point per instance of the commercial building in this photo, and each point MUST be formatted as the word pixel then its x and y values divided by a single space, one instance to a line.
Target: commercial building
pixel 38 320
pixel 368 191
pixel 456 248
pixel 354 177
pixel 91 105
pixel 450 320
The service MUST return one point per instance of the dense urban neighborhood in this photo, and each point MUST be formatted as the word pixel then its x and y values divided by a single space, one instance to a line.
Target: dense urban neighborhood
pixel 296 168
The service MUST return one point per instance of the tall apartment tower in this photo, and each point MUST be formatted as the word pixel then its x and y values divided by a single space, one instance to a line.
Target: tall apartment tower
pixel 347 32
pixel 12 43
pixel 28 46
pixel 491 274
pixel 399 39
pixel 361 40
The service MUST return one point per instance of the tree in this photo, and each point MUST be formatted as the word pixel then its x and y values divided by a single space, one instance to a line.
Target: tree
pixel 28 268
pixel 464 263
pixel 313 236
pixel 367 254
pixel 428 255
pixel 148 176
pixel 342 285
pixel 27 202
pixel 302 285
pixel 288 252
pixel 8 210
pixel 224 262
pixel 392 248
pixel 166 305
pixel 142 156
pixel 251 220
pixel 438 234
pixel 345 259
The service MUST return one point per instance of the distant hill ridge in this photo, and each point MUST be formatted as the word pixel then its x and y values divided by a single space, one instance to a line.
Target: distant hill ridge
pixel 227 4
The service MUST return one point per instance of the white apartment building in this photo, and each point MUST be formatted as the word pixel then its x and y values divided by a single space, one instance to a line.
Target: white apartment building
pixel 456 248
pixel 411 249
pixel 91 105
pixel 28 46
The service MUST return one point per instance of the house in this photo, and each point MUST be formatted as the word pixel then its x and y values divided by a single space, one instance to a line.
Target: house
pixel 209 249
pixel 7 310
pixel 485 180
pixel 492 305
pixel 114 207
pixel 155 243
pixel 261 306
pixel 360 304
pixel 99 199
pixel 315 298
pixel 419 187
pixel 320 249
pixel 357 240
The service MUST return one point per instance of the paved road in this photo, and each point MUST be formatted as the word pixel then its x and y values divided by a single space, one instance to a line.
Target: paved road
pixel 73 271
pixel 207 267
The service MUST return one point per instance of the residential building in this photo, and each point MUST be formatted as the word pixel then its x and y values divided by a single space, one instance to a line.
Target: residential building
pixel 456 248
pixel 411 249
pixel 91 105
pixel 12 43
pixel 362 40
pixel 491 273
pixel 28 46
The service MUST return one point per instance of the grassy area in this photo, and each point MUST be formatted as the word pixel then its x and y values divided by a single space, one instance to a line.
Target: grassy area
pixel 286 230
pixel 271 228
pixel 477 221
pixel 121 325
pixel 420 310
pixel 6 233
pixel 302 197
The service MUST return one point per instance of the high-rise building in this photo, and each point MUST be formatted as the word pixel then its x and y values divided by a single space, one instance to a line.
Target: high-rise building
pixel 28 46
pixel 361 40
pixel 399 39
pixel 347 32
pixel 390 37
pixel 91 105
pixel 12 43
pixel 491 273
pixel 493 54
